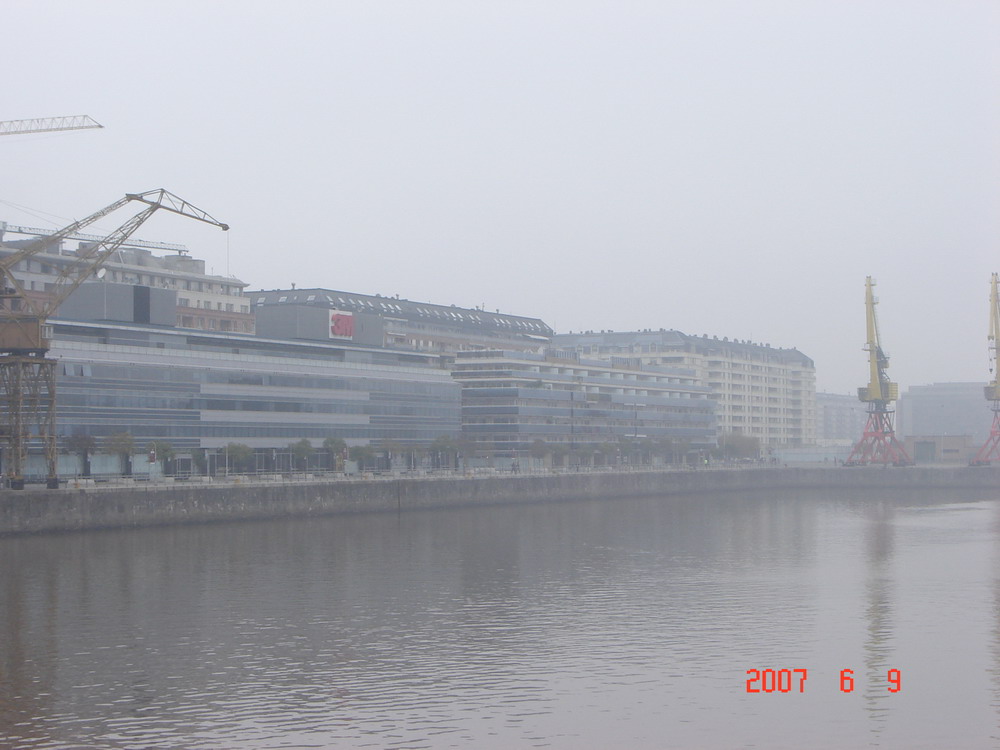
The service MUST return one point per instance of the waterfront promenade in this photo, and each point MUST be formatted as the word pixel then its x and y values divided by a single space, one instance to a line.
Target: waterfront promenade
pixel 123 505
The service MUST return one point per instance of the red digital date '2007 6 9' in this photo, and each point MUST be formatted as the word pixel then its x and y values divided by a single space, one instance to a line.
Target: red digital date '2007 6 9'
pixel 783 680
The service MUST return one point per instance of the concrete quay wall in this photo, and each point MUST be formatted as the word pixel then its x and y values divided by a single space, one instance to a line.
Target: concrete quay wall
pixel 37 511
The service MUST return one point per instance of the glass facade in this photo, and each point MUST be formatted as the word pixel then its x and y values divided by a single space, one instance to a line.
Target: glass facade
pixel 512 399
pixel 205 391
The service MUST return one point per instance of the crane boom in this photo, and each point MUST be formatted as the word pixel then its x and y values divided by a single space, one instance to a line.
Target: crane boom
pixel 27 375
pixel 39 232
pixel 879 388
pixel 48 124
pixel 74 274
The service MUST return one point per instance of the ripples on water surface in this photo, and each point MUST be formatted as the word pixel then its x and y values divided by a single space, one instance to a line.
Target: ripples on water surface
pixel 624 623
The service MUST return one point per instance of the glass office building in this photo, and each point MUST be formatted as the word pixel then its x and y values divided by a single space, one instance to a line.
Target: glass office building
pixel 203 390
pixel 512 399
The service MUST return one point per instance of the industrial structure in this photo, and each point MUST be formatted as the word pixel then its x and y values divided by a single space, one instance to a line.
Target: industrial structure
pixel 878 444
pixel 991 448
pixel 48 124
pixel 27 374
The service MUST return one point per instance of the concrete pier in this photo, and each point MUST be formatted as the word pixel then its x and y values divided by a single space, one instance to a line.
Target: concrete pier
pixel 98 507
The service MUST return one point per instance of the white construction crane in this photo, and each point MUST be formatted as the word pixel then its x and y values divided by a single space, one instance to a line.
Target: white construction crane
pixel 48 124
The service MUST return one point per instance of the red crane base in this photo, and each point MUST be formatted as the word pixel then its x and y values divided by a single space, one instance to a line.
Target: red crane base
pixel 991 448
pixel 878 445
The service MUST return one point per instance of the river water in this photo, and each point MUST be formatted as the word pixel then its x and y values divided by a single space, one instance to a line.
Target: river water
pixel 595 624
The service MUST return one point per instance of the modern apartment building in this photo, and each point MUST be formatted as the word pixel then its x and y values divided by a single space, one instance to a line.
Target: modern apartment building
pixel 512 399
pixel 760 391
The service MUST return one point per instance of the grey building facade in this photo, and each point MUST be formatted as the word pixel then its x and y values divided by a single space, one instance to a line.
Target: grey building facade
pixel 325 314
pixel 945 409
pixel 840 418
pixel 512 399
pixel 202 391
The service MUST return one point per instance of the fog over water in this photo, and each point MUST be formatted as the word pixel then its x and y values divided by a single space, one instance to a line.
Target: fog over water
pixel 616 623
pixel 727 167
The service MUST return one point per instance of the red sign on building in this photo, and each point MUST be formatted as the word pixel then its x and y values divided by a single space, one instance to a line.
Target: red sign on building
pixel 341 325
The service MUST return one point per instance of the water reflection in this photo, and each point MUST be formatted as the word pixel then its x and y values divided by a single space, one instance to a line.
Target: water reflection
pixel 879 613
pixel 994 670
pixel 569 625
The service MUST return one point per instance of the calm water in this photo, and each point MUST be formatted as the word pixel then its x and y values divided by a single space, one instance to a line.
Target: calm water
pixel 624 623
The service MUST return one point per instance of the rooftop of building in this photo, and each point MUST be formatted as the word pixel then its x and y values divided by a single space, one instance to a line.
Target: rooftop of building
pixel 670 338
pixel 135 255
pixel 403 309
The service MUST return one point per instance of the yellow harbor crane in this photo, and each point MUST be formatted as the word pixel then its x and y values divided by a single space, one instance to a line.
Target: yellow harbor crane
pixel 990 451
pixel 27 375
pixel 878 444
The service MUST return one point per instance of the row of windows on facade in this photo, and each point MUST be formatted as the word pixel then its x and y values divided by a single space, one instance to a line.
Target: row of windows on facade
pixel 131 277
pixel 800 381
pixel 186 436
pixel 746 355
pixel 207 305
pixel 736 387
pixel 125 377
pixel 473 369
pixel 566 388
pixel 120 403
pixel 685 419
pixel 552 408
pixel 215 324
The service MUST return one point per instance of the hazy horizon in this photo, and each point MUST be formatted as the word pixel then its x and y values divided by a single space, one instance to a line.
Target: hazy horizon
pixel 729 168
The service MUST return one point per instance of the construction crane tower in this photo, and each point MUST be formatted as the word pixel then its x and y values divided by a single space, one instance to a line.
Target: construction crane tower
pixel 27 374
pixel 48 124
pixel 990 451
pixel 878 444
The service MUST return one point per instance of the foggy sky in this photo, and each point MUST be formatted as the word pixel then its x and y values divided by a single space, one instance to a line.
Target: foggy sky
pixel 729 168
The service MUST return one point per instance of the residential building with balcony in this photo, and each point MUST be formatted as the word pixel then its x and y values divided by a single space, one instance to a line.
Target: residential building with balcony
pixel 203 301
pixel 760 391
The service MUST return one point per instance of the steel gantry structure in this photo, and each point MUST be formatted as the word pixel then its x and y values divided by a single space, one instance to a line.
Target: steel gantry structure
pixel 48 124
pixel 878 444
pixel 27 374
